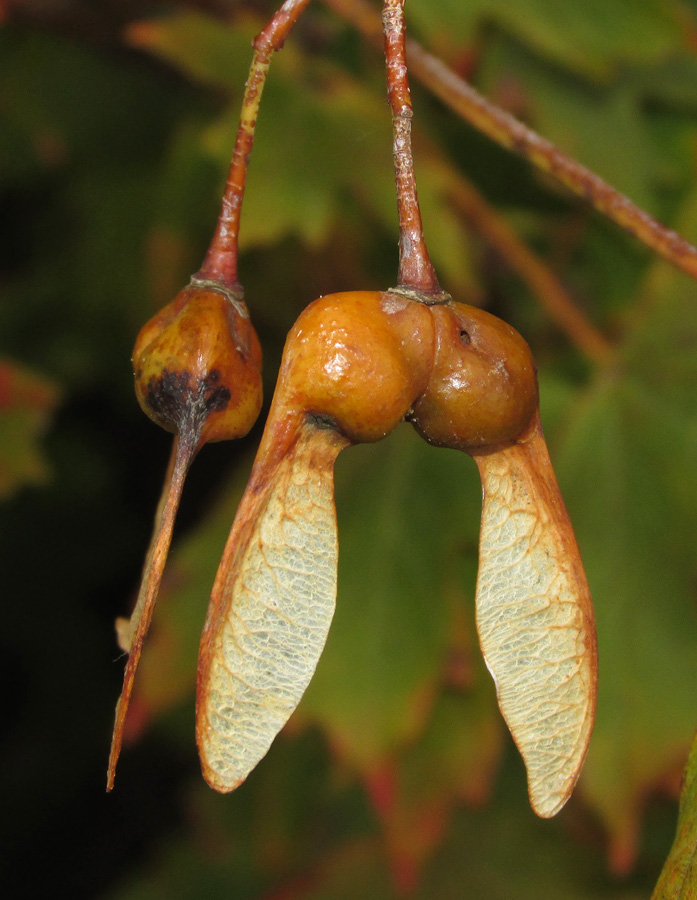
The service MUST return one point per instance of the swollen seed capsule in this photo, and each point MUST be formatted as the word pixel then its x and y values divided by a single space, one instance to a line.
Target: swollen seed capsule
pixel 357 360
pixel 197 366
pixel 483 386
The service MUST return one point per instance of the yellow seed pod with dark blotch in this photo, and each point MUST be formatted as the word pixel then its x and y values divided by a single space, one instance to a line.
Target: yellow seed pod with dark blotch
pixel 197 366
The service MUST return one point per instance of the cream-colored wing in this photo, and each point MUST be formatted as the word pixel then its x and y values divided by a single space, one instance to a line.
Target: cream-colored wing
pixel 535 618
pixel 271 608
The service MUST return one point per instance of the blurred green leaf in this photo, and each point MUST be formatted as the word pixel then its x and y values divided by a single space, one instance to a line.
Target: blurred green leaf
pixel 672 81
pixel 202 48
pixel 63 103
pixel 583 120
pixel 456 759
pixel 626 466
pixel 406 517
pixel 678 879
pixel 27 402
pixel 500 852
pixel 567 34
pixel 503 852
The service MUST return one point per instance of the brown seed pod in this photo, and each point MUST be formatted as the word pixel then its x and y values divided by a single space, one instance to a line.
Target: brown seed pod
pixel 197 366
pixel 483 387
pixel 358 361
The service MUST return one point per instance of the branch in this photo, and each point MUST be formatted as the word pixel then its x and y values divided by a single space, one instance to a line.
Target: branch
pixel 507 131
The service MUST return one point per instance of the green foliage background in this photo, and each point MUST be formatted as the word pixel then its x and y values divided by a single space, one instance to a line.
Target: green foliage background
pixel 395 777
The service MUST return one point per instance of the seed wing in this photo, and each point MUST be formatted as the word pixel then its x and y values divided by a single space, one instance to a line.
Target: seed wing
pixel 535 618
pixel 272 605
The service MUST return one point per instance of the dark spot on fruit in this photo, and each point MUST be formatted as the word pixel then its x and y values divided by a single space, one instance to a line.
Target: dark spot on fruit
pixel 169 396
pixel 464 337
pixel 179 406
pixel 215 396
pixel 321 420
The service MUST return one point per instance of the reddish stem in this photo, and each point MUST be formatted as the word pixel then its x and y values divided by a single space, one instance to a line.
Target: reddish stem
pixel 220 264
pixel 183 452
pixel 415 268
